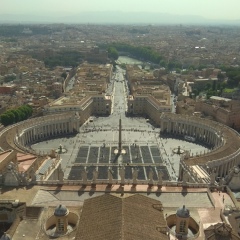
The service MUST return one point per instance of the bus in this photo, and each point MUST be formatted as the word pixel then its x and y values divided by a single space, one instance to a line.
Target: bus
pixel 190 139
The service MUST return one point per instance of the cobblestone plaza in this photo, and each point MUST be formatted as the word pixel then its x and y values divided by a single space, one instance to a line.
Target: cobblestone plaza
pixel 94 147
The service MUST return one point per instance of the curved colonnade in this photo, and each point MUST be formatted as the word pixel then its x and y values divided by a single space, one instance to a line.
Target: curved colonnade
pixel 224 141
pixel 47 127
pixel 23 134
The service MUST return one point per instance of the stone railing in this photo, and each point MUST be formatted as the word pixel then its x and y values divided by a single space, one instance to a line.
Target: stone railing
pixel 120 182
pixel 229 192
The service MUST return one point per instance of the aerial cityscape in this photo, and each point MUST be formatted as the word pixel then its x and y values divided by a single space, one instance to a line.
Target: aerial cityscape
pixel 119 130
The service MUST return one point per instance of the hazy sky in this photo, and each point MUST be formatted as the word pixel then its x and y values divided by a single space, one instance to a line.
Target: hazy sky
pixel 213 9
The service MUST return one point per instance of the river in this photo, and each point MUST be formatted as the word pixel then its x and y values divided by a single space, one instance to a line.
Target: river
pixel 128 60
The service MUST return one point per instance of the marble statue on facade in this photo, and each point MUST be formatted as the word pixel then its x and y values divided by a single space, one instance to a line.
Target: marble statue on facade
pixel 150 176
pixel 212 177
pixel 135 176
pixel 122 175
pixel 95 176
pixel 160 178
pixel 33 176
pixel 84 176
pixel 60 173
pixel 110 176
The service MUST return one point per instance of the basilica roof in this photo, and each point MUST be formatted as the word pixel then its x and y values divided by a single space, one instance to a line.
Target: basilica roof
pixel 114 217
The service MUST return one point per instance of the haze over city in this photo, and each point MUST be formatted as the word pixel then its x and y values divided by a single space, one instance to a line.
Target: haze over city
pixel 105 11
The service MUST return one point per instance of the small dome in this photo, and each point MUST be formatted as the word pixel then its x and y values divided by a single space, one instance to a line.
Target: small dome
pixel 5 237
pixel 60 211
pixel 183 212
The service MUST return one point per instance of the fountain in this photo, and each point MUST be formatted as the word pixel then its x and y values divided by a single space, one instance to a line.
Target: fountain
pixel 61 149
pixel 178 150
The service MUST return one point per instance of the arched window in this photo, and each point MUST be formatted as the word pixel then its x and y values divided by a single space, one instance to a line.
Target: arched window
pixel 182 226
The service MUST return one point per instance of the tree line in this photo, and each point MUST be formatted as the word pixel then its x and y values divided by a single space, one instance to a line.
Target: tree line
pixel 233 74
pixel 16 115
pixel 141 52
pixel 65 58
pixel 144 53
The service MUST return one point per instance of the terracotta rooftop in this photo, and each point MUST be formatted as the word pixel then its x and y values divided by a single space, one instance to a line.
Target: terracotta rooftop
pixel 25 165
pixel 111 217
pixel 4 154
pixel 25 161
pixel 24 157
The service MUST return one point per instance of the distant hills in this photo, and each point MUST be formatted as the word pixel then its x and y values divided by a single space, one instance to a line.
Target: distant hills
pixel 113 18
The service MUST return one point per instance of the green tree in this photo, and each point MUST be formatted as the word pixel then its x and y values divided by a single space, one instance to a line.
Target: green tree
pixel 7 118
pixel 26 110
pixel 17 115
pixel 220 76
pixel 171 66
pixel 214 85
pixel 163 63
pixel 64 75
pixel 113 53
pixel 143 52
pixel 178 70
pixel 9 78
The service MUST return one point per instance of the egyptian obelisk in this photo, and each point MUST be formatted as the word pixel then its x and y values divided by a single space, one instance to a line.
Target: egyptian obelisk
pixel 120 137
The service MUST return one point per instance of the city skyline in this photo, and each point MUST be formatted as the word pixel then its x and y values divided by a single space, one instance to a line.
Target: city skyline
pixel 212 10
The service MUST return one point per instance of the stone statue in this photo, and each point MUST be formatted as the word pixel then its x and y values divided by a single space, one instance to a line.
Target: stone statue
pixel 212 177
pixel 60 149
pixel 33 176
pixel 160 177
pixel 135 176
pixel 52 154
pixel 95 176
pixel 110 176
pixel 222 183
pixel 122 175
pixel 150 176
pixel 60 173
pixel 184 179
pixel 84 176
pixel 23 179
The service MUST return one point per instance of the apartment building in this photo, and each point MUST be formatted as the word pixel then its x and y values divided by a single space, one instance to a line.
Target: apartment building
pixel 87 97
pixel 149 97
pixel 223 110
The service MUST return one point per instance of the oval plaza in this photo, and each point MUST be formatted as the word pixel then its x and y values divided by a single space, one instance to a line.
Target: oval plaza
pixel 122 145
